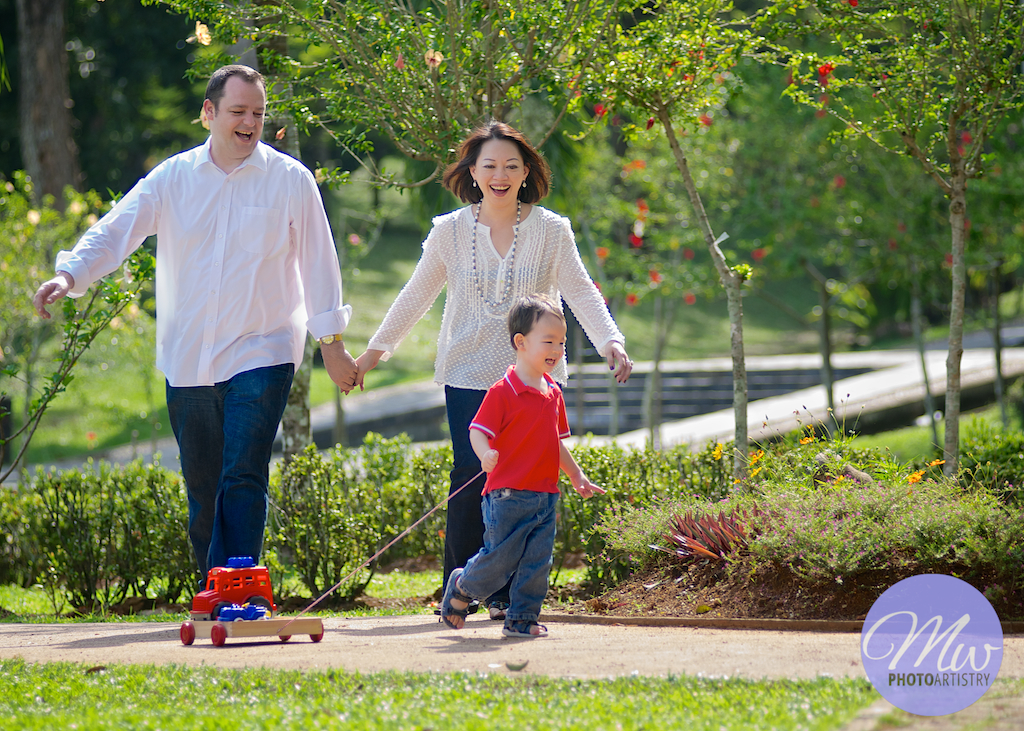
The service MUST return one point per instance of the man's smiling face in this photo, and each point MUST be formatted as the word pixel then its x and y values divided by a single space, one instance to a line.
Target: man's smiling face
pixel 236 123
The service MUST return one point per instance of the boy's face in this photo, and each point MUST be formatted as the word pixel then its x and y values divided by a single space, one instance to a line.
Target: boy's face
pixel 542 348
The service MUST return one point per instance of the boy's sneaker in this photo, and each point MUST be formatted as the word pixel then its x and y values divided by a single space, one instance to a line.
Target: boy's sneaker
pixel 497 610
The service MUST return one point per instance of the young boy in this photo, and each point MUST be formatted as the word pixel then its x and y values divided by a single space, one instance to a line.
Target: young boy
pixel 517 435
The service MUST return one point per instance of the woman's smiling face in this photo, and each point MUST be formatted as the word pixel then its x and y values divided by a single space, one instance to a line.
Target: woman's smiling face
pixel 499 170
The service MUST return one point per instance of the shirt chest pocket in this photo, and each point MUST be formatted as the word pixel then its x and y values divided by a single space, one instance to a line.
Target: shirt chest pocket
pixel 258 231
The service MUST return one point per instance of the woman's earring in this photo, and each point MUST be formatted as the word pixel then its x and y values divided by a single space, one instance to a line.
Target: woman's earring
pixel 474 183
pixel 524 183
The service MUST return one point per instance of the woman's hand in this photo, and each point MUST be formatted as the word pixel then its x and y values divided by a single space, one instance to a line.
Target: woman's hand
pixel 619 362
pixel 366 363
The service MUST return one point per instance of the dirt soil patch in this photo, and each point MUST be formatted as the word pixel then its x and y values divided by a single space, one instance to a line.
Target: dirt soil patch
pixel 707 589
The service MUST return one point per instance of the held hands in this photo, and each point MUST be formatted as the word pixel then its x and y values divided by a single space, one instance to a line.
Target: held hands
pixel 340 365
pixel 585 488
pixel 366 363
pixel 490 460
pixel 619 362
pixel 51 291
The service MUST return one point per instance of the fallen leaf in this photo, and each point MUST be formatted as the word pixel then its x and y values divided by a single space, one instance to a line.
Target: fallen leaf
pixel 517 666
pixel 96 669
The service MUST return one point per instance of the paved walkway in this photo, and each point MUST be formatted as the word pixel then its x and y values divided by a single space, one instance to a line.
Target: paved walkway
pixel 421 643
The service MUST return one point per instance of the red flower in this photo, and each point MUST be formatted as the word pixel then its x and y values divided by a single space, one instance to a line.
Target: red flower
pixel 705 120
pixel 690 298
pixel 901 227
pixel 642 206
pixel 655 276
pixel 632 299
pixel 839 182
pixel 600 110
pixel 602 253
pixel 400 62
pixel 966 138
pixel 820 114
pixel 823 72
pixel 853 3
pixel 893 245
pixel 688 253
pixel 650 122
pixel 636 241
pixel 758 254
pixel 949 260
pixel 823 100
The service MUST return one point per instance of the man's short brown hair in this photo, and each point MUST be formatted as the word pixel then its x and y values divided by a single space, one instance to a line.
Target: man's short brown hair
pixel 215 87
pixel 525 313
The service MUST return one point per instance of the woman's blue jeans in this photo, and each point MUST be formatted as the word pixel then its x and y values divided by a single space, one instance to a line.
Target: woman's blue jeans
pixel 225 434
pixel 464 529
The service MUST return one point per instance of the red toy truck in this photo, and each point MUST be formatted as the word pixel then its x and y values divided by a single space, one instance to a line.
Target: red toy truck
pixel 240 582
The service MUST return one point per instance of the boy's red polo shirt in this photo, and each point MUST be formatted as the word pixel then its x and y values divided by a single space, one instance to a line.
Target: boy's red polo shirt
pixel 525 426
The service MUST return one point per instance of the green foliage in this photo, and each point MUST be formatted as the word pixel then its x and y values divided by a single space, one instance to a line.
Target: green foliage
pixel 185 699
pixel 993 458
pixel 828 512
pixel 421 75
pixel 93 535
pixel 334 510
pixel 34 233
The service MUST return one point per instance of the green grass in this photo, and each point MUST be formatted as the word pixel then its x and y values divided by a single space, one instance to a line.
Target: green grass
pixel 32 604
pixel 65 695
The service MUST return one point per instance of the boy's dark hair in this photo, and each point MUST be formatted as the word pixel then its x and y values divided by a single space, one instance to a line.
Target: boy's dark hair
pixel 215 87
pixel 525 313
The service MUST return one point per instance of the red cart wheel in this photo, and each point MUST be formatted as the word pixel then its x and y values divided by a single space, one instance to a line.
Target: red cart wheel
pixel 188 633
pixel 284 638
pixel 317 637
pixel 218 635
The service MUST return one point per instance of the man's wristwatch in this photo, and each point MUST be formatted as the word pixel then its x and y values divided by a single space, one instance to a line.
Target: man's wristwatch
pixel 328 339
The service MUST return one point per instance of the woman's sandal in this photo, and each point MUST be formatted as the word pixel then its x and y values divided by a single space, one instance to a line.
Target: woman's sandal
pixel 452 592
pixel 524 628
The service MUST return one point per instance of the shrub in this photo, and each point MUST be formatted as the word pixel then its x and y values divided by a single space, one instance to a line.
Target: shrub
pixel 105 530
pixel 323 522
pixel 993 458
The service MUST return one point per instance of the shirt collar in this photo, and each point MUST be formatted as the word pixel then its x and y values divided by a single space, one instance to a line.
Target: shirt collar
pixel 258 158
pixel 517 385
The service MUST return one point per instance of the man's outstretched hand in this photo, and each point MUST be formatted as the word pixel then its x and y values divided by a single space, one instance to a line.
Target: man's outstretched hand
pixel 51 291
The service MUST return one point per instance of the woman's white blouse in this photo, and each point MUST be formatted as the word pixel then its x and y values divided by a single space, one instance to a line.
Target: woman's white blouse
pixel 473 347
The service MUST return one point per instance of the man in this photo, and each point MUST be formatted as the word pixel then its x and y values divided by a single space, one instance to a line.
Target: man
pixel 245 265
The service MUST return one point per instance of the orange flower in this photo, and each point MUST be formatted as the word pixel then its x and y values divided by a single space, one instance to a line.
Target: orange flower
pixel 602 253
pixel 632 299
pixel 655 276
pixel 690 298
pixel 915 477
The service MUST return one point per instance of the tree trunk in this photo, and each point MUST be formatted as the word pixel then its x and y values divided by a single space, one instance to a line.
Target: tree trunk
pixel 296 429
pixel 997 343
pixel 733 283
pixel 957 215
pixel 48 149
pixel 917 323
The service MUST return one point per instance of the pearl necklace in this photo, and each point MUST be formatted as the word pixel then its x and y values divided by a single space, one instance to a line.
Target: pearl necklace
pixel 511 257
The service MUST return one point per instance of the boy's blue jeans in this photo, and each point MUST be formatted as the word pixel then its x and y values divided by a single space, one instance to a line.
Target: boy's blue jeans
pixel 225 433
pixel 519 536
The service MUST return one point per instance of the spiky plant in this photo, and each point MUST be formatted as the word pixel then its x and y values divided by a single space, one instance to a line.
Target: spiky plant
pixel 707 536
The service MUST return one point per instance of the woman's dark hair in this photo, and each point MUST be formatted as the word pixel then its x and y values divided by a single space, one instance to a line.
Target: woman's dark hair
pixel 459 180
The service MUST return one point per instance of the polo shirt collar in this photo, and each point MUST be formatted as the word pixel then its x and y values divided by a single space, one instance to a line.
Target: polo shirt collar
pixel 517 385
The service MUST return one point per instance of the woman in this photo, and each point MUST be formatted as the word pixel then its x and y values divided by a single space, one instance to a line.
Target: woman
pixel 489 254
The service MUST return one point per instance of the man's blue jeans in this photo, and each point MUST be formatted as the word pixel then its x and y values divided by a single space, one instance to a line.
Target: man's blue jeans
pixel 519 535
pixel 464 527
pixel 225 434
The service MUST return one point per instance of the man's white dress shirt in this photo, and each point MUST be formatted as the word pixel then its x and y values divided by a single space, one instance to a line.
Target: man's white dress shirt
pixel 245 262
